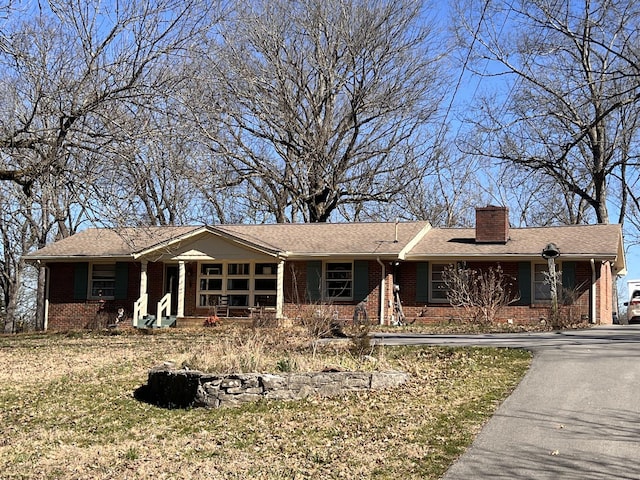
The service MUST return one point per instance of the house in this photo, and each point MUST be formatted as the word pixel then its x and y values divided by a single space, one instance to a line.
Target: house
pixel 162 275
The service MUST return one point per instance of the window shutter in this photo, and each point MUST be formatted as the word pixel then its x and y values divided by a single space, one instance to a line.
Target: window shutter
pixel 360 280
pixel 422 282
pixel 122 281
pixel 524 282
pixel 80 280
pixel 568 275
pixel 314 280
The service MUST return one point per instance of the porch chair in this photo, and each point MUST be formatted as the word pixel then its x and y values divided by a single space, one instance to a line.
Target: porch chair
pixel 222 306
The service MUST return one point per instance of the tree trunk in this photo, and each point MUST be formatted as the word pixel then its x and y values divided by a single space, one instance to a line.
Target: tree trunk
pixel 11 304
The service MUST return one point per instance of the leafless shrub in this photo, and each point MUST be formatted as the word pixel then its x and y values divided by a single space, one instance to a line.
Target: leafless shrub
pixel 479 294
pixel 241 350
pixel 261 318
pixel 569 314
pixel 320 320
pixel 360 338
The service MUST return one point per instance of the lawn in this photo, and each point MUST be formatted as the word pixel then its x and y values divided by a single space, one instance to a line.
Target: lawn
pixel 68 410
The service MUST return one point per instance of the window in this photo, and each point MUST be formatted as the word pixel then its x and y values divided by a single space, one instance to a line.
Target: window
pixel 265 285
pixel 244 284
pixel 238 284
pixel 339 281
pixel 214 284
pixel 210 284
pixel 238 269
pixel 238 277
pixel 103 280
pixel 209 300
pixel 439 289
pixel 541 286
pixel 265 300
pixel 266 269
pixel 238 300
pixel 211 269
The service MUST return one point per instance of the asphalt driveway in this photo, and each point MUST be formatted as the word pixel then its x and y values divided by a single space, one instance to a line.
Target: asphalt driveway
pixel 574 416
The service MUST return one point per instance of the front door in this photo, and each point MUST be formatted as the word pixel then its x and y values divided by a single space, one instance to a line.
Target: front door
pixel 171 286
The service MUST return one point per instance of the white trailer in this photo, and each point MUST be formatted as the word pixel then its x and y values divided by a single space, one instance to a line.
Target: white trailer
pixel 633 305
pixel 633 286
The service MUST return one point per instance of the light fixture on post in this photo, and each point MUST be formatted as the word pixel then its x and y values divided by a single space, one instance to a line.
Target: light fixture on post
pixel 550 253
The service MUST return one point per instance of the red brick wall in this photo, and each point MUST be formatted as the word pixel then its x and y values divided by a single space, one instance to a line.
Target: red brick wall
pixel 295 285
pixel 190 289
pixel 604 285
pixel 155 285
pixel 68 314
pixel 425 312
pixel 492 224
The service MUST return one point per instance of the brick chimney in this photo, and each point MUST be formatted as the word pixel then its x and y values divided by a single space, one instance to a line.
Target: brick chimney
pixel 492 224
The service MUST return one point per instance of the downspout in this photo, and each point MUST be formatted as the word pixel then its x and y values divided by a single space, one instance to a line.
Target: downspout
pixel 383 292
pixel 593 291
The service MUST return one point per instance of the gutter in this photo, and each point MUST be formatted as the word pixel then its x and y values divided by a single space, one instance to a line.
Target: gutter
pixel 383 298
pixel 34 259
pixel 593 291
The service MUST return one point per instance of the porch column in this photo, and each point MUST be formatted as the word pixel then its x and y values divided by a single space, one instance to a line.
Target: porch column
pixel 143 277
pixel 47 276
pixel 181 287
pixel 280 290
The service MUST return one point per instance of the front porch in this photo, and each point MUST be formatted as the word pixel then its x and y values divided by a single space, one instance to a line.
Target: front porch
pixel 191 288
pixel 163 318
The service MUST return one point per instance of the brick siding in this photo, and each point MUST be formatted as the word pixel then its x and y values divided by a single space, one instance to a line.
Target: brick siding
pixel 69 314
pixel 492 224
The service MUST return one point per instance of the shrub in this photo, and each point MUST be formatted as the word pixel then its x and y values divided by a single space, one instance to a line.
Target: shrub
pixel 479 294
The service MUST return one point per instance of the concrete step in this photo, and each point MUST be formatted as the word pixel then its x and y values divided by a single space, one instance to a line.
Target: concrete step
pixel 195 322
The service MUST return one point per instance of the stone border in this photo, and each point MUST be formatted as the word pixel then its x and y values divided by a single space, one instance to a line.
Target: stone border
pixel 180 388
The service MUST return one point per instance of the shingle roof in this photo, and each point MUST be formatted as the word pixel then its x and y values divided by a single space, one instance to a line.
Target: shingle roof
pixel 106 242
pixel 309 239
pixel 348 239
pixel 576 240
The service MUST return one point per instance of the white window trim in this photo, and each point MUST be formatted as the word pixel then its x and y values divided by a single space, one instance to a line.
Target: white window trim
pixel 325 281
pixel 443 301
pixel 225 276
pixel 90 294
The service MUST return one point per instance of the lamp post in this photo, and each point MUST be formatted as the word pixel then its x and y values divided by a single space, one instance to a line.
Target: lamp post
pixel 550 253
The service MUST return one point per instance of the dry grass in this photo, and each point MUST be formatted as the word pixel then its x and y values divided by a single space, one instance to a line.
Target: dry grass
pixel 68 412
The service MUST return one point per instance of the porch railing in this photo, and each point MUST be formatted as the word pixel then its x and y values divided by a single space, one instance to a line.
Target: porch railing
pixel 140 308
pixel 164 308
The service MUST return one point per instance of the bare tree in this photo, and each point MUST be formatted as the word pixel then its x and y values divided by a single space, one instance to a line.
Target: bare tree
pixel 571 108
pixel 15 239
pixel 150 177
pixel 68 70
pixel 65 68
pixel 9 265
pixel 317 104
